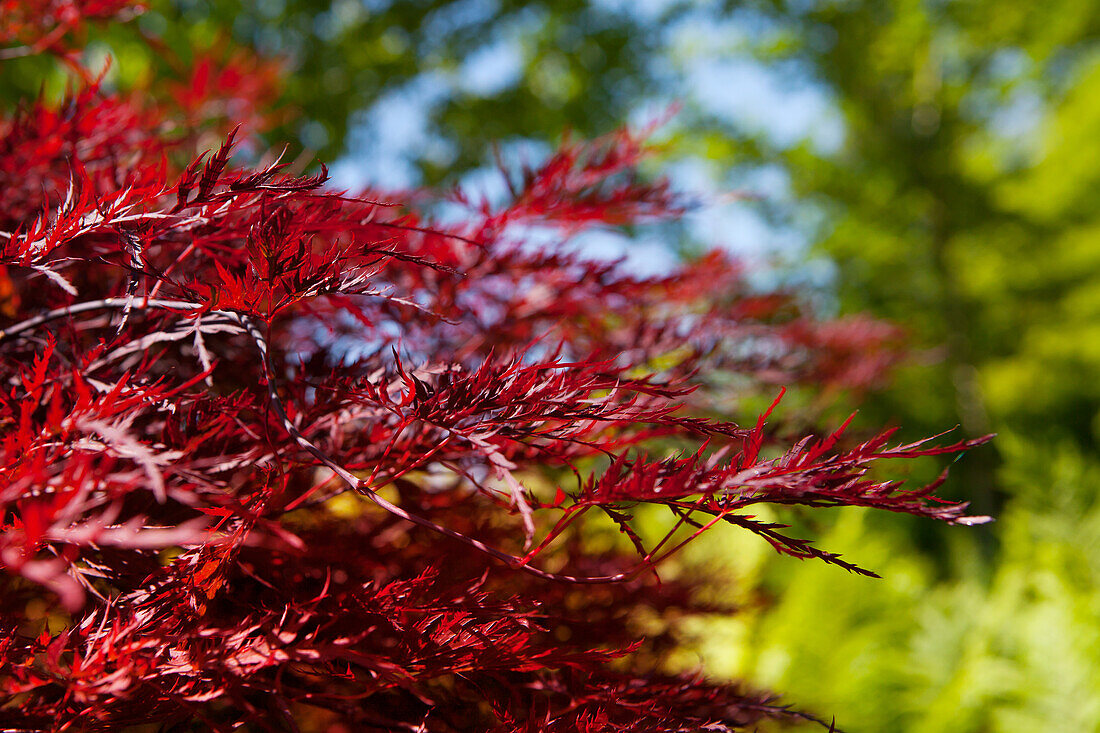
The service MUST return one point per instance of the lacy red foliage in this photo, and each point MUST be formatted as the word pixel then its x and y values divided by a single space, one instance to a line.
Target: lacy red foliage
pixel 273 453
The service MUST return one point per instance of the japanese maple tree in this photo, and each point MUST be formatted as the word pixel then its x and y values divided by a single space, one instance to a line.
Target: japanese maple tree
pixel 283 456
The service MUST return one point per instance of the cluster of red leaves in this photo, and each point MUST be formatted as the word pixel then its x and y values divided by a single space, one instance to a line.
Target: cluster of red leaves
pixel 52 26
pixel 274 453
pixel 220 85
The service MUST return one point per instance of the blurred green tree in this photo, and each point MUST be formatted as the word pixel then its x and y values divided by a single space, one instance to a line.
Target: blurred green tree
pixel 960 204
pixel 959 201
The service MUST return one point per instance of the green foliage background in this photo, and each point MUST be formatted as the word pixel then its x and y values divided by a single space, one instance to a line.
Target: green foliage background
pixel 961 203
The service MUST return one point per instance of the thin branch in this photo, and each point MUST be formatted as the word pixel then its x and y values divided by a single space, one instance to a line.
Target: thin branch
pixel 92 305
